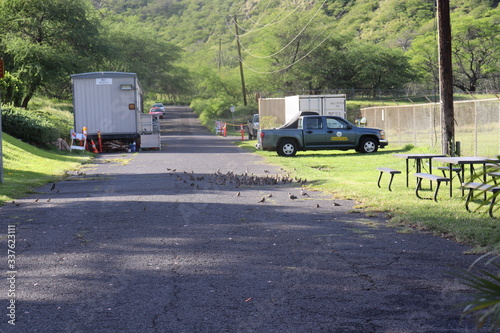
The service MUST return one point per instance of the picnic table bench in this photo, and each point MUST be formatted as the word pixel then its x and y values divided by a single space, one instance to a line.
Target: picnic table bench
pixel 432 178
pixel 494 175
pixel 390 171
pixel 481 187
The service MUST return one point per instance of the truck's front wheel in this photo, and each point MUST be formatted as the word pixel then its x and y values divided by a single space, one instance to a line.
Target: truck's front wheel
pixel 368 145
pixel 287 148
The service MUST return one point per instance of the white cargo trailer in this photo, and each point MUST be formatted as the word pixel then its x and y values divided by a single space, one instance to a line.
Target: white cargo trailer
pixel 327 105
pixel 108 102
pixel 285 109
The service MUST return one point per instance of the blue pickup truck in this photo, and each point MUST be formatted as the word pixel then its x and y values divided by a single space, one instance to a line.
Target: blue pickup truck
pixel 315 132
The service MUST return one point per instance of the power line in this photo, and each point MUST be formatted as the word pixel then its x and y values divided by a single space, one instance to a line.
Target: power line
pixel 270 23
pixel 291 41
pixel 260 17
pixel 309 52
pixel 252 30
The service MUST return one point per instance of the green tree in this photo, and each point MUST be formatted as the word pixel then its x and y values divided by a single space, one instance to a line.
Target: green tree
pixel 341 64
pixel 136 47
pixel 476 49
pixel 379 67
pixel 46 41
pixel 424 59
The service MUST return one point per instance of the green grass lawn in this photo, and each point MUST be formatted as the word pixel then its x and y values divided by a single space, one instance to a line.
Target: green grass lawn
pixel 26 167
pixel 350 175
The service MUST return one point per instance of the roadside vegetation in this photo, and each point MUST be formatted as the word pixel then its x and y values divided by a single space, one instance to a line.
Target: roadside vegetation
pixel 26 167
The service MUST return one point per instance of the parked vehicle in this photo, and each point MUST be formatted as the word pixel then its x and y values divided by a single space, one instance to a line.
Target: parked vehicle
pixel 253 127
pixel 156 111
pixel 321 133
pixel 160 106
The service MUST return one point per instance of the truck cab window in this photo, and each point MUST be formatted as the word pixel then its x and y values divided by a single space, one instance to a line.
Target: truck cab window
pixel 333 123
pixel 314 123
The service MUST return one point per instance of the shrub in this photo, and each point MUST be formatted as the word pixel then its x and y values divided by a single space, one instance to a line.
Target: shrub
pixel 11 89
pixel 28 126
pixel 210 109
pixel 248 110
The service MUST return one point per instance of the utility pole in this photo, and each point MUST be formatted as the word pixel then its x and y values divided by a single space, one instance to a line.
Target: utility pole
pixel 446 78
pixel 241 63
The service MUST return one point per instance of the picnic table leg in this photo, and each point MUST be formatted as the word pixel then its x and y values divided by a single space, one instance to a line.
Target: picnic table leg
pixel 407 172
pixel 436 192
pixel 490 211
pixel 418 167
pixel 484 178
pixel 451 179
pixel 430 170
pixel 472 172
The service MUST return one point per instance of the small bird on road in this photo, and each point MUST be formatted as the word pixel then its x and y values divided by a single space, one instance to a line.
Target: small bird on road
pixel 317 205
pixel 238 194
pixel 53 186
pixel 304 193
pixel 262 200
pixel 336 204
pixel 291 196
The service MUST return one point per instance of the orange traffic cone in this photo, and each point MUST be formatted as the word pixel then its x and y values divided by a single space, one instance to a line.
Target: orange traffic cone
pixel 94 149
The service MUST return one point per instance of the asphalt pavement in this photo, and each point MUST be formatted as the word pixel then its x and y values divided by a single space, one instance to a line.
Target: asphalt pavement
pixel 203 236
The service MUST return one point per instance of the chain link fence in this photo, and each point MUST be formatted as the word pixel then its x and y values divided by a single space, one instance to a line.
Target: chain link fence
pixel 477 125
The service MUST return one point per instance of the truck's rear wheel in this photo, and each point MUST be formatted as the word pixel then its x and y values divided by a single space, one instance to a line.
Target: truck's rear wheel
pixel 368 145
pixel 287 148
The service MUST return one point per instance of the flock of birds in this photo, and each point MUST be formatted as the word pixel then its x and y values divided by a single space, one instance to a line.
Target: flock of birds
pixel 245 179
pixel 236 180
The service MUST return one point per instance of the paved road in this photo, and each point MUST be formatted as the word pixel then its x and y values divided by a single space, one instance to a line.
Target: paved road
pixel 136 246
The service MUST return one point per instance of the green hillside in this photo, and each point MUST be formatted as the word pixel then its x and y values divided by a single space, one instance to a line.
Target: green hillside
pixel 186 49
pixel 323 45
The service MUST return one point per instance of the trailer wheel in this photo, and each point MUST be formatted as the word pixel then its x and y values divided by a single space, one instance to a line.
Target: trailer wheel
pixel 368 145
pixel 287 148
